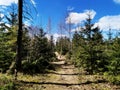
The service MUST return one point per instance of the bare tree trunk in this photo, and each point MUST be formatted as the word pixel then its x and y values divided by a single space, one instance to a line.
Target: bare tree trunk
pixel 69 30
pixel 19 38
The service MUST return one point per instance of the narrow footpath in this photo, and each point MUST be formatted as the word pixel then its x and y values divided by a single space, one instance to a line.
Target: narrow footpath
pixel 67 77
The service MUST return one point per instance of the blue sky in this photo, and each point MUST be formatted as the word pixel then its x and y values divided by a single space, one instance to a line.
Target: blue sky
pixel 106 13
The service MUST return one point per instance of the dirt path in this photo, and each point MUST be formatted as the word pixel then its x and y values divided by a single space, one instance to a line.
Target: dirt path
pixel 67 77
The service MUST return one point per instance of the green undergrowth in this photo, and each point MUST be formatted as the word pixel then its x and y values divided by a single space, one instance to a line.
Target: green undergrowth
pixel 114 79
pixel 6 83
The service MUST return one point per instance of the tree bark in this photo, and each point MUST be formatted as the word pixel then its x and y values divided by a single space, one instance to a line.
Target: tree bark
pixel 19 37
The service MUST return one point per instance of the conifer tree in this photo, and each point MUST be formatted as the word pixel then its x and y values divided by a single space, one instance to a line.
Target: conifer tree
pixel 62 45
pixel 114 60
pixel 88 49
pixel 40 54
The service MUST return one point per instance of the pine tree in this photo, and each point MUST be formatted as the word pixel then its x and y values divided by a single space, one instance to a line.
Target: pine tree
pixel 78 50
pixel 96 60
pixel 8 44
pixel 88 48
pixel 114 60
pixel 40 54
pixel 62 45
pixel 26 44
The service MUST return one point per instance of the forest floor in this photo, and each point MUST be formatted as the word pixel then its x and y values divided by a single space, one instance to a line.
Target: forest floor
pixel 65 77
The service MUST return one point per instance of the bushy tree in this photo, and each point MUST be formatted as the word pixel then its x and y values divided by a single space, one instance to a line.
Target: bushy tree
pixel 7 48
pixel 88 47
pixel 62 45
pixel 114 58
pixel 8 40
pixel 40 54
pixel 78 50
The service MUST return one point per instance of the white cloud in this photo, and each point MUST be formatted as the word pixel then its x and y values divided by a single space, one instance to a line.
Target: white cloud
pixel 69 8
pixel 48 36
pixel 7 2
pixel 56 36
pixel 117 1
pixel 107 22
pixel 76 18
pixel 76 29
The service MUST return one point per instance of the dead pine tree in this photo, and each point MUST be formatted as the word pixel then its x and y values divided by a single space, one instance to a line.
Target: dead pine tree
pixel 19 38
pixel 61 32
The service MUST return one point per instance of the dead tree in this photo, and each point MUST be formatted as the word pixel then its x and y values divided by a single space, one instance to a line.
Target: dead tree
pixel 19 38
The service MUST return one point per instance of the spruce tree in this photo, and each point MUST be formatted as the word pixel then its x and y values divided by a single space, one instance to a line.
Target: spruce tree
pixel 40 54
pixel 78 50
pixel 114 60
pixel 88 48
pixel 62 45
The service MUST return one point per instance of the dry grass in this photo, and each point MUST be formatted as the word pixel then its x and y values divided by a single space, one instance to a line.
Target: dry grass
pixel 34 82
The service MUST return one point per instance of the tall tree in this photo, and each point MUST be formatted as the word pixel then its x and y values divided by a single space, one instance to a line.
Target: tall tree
pixel 64 43
pixel 90 52
pixel 114 57
pixel 78 48
pixel 41 54
pixel 7 46
pixel 94 40
pixel 19 37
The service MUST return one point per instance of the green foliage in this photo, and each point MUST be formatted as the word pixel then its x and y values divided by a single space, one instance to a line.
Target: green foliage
pixel 7 52
pixel 6 84
pixel 114 58
pixel 40 53
pixel 115 79
pixel 96 55
pixel 62 45
pixel 25 44
pixel 88 49
pixel 78 49
pixel 8 36
pixel 37 52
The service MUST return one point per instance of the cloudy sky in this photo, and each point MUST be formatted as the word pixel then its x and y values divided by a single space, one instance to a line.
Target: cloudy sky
pixel 105 13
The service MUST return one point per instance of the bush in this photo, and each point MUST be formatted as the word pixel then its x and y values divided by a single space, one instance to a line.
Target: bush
pixel 112 78
pixel 6 84
pixel 9 86
pixel 37 66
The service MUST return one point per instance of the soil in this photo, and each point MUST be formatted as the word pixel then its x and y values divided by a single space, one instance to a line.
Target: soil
pixel 68 77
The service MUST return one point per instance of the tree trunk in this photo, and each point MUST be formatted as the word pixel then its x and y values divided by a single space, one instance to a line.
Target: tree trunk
pixel 19 38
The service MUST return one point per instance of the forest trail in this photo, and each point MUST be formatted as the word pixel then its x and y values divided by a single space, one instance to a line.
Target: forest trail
pixel 67 77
